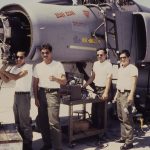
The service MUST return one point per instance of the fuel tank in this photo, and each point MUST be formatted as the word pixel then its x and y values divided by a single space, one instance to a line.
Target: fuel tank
pixel 28 24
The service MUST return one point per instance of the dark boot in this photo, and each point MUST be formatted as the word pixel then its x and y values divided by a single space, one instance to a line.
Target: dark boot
pixel 120 140
pixel 27 146
pixel 46 147
pixel 126 146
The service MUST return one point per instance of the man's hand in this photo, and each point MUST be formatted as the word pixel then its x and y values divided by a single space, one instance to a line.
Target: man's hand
pixel 130 100
pixel 115 97
pixel 104 96
pixel 53 78
pixel 2 70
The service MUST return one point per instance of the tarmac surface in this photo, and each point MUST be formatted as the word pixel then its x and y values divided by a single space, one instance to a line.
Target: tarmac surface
pixel 106 142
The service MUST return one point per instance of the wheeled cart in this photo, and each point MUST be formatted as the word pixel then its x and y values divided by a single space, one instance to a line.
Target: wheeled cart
pixel 89 130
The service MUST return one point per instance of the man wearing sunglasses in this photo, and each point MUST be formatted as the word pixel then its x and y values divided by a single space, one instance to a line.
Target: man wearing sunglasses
pixel 101 75
pixel 22 74
pixel 47 78
pixel 126 85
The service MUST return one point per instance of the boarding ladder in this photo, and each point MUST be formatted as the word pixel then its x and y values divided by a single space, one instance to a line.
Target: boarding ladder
pixel 110 31
pixel 109 25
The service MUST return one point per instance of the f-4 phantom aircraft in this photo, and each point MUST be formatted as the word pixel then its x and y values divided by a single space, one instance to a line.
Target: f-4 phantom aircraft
pixel 76 31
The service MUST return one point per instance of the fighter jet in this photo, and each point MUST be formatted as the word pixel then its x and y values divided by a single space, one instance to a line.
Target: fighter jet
pixel 77 31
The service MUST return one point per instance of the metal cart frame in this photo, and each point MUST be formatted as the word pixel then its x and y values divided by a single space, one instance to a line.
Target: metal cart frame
pixel 92 131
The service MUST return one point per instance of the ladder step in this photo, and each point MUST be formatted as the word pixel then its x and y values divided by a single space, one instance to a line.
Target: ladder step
pixel 110 19
pixel 111 33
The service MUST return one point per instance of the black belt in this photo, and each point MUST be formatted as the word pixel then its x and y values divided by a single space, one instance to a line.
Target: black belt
pixel 100 87
pixel 50 90
pixel 128 91
pixel 20 93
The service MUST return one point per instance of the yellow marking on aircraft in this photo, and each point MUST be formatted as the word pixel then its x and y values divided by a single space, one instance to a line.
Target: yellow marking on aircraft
pixel 92 41
pixel 89 40
pixel 84 40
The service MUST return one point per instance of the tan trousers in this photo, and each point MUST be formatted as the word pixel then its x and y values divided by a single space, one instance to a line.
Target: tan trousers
pixel 126 119
pixel 49 121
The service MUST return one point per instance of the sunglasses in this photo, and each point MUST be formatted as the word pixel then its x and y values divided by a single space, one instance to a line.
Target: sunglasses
pixel 100 55
pixel 19 57
pixel 46 53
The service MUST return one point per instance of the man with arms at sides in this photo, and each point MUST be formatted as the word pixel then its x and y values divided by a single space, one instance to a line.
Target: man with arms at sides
pixel 22 74
pixel 101 75
pixel 126 85
pixel 47 78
